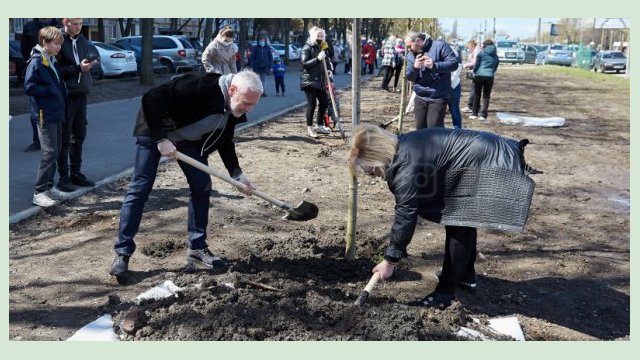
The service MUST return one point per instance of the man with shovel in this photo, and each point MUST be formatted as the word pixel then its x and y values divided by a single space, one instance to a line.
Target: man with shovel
pixel 194 114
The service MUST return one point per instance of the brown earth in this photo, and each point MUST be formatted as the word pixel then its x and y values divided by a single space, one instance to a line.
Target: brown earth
pixel 567 277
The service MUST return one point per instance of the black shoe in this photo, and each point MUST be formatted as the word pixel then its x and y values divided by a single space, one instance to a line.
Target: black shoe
pixel 120 266
pixel 65 185
pixel 204 257
pixel 469 282
pixel 32 147
pixel 80 180
pixel 435 300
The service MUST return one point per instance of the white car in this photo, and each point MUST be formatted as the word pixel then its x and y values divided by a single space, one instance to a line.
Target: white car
pixel 115 61
pixel 294 52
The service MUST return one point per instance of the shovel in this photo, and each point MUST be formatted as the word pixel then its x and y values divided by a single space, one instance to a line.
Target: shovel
pixel 303 212
pixel 364 294
pixel 333 101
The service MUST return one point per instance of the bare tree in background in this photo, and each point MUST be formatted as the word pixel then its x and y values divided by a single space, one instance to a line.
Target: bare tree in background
pixel 146 71
pixel 125 30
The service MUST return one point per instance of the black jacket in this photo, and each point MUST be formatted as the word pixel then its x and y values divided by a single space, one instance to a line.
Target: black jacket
pixel 186 100
pixel 70 70
pixel 457 177
pixel 29 37
pixel 312 73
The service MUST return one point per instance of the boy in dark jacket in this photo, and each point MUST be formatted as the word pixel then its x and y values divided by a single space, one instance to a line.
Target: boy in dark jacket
pixel 48 97
pixel 278 74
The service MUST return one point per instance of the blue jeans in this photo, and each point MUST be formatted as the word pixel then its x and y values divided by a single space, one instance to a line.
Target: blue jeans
pixel 144 175
pixel 454 106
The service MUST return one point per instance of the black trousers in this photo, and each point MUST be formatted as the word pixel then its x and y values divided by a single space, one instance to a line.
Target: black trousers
pixel 483 86
pixel 460 250
pixel 74 131
pixel 279 84
pixel 320 96
pixel 429 114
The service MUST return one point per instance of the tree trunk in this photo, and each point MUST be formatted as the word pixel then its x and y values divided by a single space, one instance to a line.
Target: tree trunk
pixel 200 21
pixel 101 29
pixel 146 71
pixel 242 39
pixel 305 28
pixel 208 31
pixel 125 30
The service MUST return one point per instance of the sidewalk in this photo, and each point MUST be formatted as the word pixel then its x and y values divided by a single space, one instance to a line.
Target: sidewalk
pixel 109 147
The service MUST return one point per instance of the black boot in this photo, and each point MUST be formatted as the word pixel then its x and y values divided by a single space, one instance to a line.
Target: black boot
pixel 120 266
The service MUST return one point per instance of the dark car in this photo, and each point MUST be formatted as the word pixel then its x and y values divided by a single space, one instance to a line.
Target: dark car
pixel 610 61
pixel 531 52
pixel 17 64
pixel 96 69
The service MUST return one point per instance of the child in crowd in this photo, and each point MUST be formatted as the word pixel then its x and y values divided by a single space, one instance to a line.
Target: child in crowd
pixel 278 74
pixel 48 98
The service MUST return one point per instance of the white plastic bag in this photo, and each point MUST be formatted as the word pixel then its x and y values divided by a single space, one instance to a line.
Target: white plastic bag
pixel 412 98
pixel 511 119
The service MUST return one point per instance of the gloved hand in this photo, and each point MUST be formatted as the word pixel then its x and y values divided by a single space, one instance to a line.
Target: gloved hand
pixel 243 179
pixel 322 55
pixel 385 269
pixel 167 148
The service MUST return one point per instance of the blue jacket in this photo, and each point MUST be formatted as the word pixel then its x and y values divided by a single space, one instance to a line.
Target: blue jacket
pixel 47 93
pixel 261 58
pixel 279 70
pixel 487 62
pixel 433 84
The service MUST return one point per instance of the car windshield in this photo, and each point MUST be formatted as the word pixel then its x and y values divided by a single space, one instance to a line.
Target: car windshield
pixel 107 46
pixel 507 44
pixel 185 43
pixel 614 56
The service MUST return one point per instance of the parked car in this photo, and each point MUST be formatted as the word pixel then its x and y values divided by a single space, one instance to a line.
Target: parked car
pixel 555 55
pixel 294 52
pixel 137 50
pixel 96 69
pixel 610 61
pixel 17 64
pixel 531 52
pixel 115 61
pixel 509 52
pixel 174 52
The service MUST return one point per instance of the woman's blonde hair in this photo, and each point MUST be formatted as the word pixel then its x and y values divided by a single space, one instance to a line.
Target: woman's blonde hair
pixel 371 146
pixel 49 34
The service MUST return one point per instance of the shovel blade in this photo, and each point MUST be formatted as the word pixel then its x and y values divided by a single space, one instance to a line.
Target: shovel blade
pixel 303 212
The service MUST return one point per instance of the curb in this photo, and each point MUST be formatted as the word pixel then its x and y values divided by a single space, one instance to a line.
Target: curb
pixel 25 214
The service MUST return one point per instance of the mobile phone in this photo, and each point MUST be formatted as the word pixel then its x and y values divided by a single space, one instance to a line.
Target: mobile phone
pixel 91 58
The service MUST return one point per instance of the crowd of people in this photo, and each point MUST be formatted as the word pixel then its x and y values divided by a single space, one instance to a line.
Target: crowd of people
pixel 196 114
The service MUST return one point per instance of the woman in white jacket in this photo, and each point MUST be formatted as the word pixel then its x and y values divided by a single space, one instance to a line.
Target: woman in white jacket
pixel 474 49
pixel 220 55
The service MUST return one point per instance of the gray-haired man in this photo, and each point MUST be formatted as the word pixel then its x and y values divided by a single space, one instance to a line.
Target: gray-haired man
pixel 195 114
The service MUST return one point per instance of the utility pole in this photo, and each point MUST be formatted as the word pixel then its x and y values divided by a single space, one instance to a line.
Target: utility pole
pixel 539 35
pixel 494 29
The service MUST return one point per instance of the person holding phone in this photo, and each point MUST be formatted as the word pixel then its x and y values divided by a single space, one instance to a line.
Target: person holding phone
pixel 76 72
pixel 429 66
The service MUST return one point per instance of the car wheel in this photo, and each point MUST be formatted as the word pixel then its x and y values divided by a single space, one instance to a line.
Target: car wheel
pixel 617 71
pixel 602 69
pixel 169 65
pixel 595 69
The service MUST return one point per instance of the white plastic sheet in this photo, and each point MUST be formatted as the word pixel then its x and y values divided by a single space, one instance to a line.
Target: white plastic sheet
pixel 511 119
pixel 98 330
pixel 164 290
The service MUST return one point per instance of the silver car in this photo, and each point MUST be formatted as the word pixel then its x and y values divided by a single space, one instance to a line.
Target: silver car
pixel 610 61
pixel 509 52
pixel 175 53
